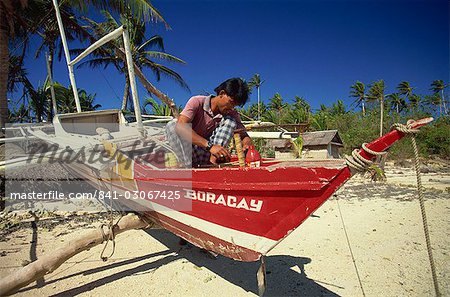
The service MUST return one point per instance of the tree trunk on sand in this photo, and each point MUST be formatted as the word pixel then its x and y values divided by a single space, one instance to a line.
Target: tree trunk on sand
pixel 4 64
pixel 151 88
pixel 51 261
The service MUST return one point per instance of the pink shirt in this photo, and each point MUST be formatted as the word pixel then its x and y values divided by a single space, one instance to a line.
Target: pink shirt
pixel 204 122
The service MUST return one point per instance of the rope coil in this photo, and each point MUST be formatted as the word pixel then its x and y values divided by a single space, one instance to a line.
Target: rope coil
pixel 359 163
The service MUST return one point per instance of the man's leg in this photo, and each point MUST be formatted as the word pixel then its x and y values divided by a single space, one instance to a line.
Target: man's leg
pixel 221 136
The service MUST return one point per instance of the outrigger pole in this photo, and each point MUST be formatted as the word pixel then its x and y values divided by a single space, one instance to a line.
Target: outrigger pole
pixel 67 54
pixel 129 61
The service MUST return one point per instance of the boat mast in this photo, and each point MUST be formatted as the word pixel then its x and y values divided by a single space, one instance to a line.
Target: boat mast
pixel 67 54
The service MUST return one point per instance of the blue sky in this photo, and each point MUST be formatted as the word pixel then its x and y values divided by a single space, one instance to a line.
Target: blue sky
pixel 314 49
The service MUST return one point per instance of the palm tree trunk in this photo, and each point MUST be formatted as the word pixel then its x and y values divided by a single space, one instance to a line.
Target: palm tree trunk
pixel 149 87
pixel 126 91
pixel 363 108
pixel 381 115
pixel 443 102
pixel 51 54
pixel 259 109
pixel 4 64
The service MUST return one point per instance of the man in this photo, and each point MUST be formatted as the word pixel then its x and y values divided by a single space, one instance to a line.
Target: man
pixel 207 124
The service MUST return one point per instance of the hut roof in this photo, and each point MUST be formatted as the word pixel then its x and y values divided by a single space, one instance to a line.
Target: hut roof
pixel 310 139
pixel 322 138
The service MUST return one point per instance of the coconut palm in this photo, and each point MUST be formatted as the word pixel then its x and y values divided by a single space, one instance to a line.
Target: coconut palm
pixel 256 82
pixel 12 24
pixel 157 108
pixel 19 115
pixel 405 89
pixel 437 87
pixel 397 102
pixel 277 106
pixel 414 102
pixel 18 17
pixel 141 49
pixel 298 113
pixel 38 101
pixel 358 91
pixel 376 93
pixel 338 108
pixel 65 99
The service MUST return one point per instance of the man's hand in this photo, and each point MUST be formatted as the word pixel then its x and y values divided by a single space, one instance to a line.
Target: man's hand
pixel 219 153
pixel 246 143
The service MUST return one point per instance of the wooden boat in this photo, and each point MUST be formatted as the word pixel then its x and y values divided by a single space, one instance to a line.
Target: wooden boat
pixel 241 213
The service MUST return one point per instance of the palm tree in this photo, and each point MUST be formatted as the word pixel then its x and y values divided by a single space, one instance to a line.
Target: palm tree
pixel 414 102
pixel 376 93
pixel 140 48
pixel 300 111
pixel 437 87
pixel 358 92
pixel 255 81
pixel 338 108
pixel 20 114
pixel 12 24
pixel 17 17
pixel 65 99
pixel 397 101
pixel 277 105
pixel 157 108
pixel 405 89
pixel 38 102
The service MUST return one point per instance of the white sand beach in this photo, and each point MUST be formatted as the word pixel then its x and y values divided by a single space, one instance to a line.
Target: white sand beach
pixel 383 224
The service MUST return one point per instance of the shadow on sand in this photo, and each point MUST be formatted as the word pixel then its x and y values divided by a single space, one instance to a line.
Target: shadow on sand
pixel 281 279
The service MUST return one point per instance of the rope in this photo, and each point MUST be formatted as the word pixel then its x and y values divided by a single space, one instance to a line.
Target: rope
pixel 411 133
pixel 111 236
pixel 350 247
pixel 357 162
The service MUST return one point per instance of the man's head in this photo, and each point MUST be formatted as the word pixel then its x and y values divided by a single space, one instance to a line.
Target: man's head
pixel 232 92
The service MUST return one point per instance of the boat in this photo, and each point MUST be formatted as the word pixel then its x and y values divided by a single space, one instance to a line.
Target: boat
pixel 238 212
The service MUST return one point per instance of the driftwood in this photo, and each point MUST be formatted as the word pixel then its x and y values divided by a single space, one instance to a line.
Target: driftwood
pixel 51 261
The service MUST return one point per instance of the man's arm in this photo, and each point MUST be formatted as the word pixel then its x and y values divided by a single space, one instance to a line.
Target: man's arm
pixel 185 130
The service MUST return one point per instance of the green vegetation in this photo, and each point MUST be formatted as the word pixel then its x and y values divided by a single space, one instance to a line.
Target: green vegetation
pixel 21 20
pixel 377 110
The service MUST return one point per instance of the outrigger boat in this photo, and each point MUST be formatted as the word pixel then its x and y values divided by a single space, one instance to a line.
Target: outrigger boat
pixel 238 212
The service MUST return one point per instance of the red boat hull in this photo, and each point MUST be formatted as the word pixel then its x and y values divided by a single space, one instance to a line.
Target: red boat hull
pixel 241 213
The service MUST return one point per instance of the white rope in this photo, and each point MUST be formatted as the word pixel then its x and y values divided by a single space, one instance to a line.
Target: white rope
pixel 407 129
pixel 359 163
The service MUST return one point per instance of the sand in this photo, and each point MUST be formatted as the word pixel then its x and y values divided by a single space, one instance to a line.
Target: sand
pixel 382 221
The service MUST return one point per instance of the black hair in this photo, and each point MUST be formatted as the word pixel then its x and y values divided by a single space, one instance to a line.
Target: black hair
pixel 236 88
